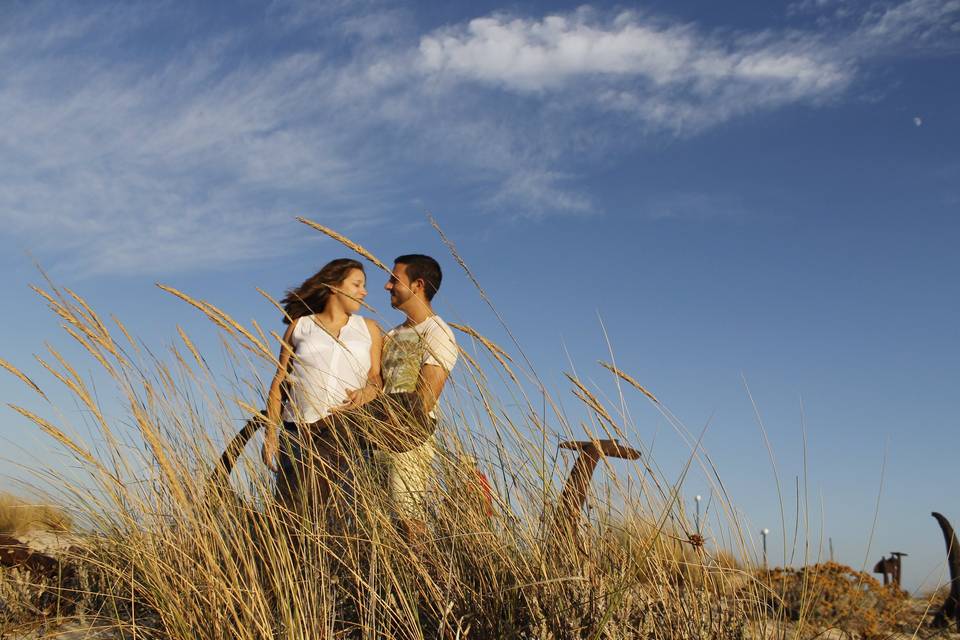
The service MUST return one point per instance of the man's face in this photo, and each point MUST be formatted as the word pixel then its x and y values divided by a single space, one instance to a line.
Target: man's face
pixel 399 286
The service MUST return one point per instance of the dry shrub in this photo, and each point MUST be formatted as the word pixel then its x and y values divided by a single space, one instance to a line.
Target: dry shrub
pixel 225 569
pixel 74 590
pixel 173 556
pixel 832 595
pixel 19 516
pixel 671 553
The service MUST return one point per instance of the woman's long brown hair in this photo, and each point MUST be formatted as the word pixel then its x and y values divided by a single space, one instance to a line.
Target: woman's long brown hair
pixel 311 296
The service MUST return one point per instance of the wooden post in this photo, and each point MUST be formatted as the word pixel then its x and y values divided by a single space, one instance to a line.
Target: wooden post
pixel 577 485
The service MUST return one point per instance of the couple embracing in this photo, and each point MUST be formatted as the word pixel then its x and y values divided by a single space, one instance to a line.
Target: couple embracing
pixel 334 364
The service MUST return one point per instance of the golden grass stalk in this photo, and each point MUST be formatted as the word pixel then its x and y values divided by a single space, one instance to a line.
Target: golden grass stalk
pixel 629 379
pixel 499 354
pixel 75 384
pixel 177 553
pixel 93 351
pixel 473 333
pixel 23 377
pixel 89 313
pixel 345 241
pixel 58 435
pixel 126 334
pixel 223 320
pixel 191 348
pixel 590 399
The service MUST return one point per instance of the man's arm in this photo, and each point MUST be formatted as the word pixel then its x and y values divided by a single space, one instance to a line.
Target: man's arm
pixel 374 376
pixel 435 369
pixel 430 385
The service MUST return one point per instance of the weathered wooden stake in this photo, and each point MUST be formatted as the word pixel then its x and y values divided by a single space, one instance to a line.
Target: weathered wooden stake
pixel 575 488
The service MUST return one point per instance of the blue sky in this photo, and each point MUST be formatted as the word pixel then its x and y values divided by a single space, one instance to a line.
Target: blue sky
pixel 767 193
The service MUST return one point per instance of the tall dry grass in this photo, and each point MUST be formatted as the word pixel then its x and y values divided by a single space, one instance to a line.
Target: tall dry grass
pixel 19 516
pixel 168 553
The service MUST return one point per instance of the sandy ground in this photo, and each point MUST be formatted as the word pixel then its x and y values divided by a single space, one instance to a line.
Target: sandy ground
pixel 71 631
pixel 52 542
pixel 92 631
pixel 105 631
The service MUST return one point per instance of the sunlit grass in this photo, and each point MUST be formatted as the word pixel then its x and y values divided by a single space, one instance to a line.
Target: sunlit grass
pixel 18 516
pixel 168 550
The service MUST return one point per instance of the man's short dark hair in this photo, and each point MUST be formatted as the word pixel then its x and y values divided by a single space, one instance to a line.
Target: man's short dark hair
pixel 421 267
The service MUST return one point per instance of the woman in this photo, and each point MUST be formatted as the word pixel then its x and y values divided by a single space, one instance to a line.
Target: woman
pixel 329 361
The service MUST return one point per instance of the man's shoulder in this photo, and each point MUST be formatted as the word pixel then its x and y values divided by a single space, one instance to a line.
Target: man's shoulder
pixel 436 325
pixel 432 327
pixel 396 328
pixel 441 343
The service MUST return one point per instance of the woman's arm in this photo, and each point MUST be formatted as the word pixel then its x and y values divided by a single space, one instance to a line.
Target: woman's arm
pixel 271 438
pixel 357 397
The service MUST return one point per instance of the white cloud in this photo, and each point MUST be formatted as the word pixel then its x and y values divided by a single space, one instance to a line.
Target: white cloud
pixel 133 165
pixel 894 27
pixel 539 54
pixel 669 75
pixel 534 55
pixel 118 157
pixel 826 11
pixel 915 24
pixel 542 192
pixel 678 76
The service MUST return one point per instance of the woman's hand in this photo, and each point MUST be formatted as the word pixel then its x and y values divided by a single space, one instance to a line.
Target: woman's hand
pixel 357 397
pixel 271 445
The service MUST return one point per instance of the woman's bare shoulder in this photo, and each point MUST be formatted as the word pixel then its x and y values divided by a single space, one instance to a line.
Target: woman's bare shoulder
pixel 373 327
pixel 290 328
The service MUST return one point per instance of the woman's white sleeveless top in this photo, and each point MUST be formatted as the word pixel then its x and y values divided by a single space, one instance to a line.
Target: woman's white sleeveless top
pixel 323 368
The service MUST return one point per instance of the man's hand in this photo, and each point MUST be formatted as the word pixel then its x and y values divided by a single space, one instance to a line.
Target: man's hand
pixel 271 445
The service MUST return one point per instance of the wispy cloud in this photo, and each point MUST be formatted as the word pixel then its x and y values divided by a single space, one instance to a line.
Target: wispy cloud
pixel 557 51
pixel 893 27
pixel 915 25
pixel 197 148
pixel 192 160
pixel 542 192
pixel 677 76
pixel 693 206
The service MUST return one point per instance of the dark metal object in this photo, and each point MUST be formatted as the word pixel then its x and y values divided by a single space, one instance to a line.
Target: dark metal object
pixel 951 607
pixel 14 553
pixel 218 482
pixel 394 422
pixel 890 567
pixel 572 498
pixel 231 454
pixel 60 594
pixel 764 534
pixel 697 499
pixel 575 488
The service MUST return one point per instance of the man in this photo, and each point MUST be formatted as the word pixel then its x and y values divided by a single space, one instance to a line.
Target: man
pixel 418 355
